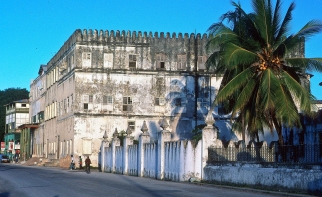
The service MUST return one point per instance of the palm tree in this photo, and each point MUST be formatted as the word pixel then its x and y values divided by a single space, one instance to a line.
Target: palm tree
pixel 261 83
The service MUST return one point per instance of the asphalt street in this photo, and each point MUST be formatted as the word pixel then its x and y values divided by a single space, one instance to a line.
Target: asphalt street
pixel 22 181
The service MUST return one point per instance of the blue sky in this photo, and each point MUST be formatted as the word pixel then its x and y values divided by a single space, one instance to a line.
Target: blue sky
pixel 32 31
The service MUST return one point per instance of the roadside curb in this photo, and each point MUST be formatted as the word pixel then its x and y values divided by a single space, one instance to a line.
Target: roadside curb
pixel 280 193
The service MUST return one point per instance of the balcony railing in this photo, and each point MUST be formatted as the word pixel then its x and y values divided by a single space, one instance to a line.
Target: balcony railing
pixel 17 110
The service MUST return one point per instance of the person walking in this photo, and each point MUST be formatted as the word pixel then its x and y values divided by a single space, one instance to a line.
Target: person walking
pixel 87 165
pixel 80 161
pixel 72 163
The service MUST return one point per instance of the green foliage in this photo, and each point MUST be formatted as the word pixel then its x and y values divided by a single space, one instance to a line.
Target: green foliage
pixel 7 96
pixel 261 83
pixel 197 132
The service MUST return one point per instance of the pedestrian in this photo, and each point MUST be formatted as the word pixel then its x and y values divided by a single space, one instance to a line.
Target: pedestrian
pixel 72 163
pixel 87 164
pixel 80 161
pixel 16 157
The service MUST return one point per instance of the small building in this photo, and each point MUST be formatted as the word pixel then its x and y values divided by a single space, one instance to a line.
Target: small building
pixel 17 113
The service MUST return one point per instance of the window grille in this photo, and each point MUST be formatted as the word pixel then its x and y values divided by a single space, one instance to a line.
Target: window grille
pixel 127 104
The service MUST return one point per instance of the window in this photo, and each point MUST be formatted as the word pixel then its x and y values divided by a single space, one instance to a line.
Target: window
pixel 132 61
pixel 182 61
pixel 160 61
pixel 23 105
pixel 65 108
pixel 67 104
pixel 87 59
pixel 107 100
pixel 108 60
pixel 131 125
pixel 202 102
pixel 159 101
pixel 202 63
pixel 69 64
pixel 90 98
pixel 127 104
pixel 85 99
pixel 221 109
pixel 87 56
pixel 71 102
pixel 85 105
pixel 59 110
pixel 178 102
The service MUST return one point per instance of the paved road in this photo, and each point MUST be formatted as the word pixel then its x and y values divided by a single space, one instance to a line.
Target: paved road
pixel 21 181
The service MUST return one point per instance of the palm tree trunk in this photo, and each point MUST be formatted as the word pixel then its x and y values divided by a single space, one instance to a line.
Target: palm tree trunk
pixel 243 127
pixel 278 128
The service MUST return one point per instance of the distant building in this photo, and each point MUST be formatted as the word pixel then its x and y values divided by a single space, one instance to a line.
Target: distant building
pixel 17 113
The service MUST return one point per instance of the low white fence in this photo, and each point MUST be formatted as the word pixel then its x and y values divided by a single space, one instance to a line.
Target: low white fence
pixel 161 159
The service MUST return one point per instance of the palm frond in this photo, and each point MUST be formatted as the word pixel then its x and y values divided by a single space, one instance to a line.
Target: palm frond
pixel 300 94
pixel 233 85
pixel 308 64
pixel 234 55
pixel 276 18
pixel 310 29
pixel 263 19
pixel 284 28
pixel 244 96
pixel 313 27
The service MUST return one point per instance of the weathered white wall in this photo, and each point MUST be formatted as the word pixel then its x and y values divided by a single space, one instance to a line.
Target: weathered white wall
pixel 254 174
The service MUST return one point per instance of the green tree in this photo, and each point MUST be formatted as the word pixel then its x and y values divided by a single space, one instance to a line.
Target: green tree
pixel 262 85
pixel 7 96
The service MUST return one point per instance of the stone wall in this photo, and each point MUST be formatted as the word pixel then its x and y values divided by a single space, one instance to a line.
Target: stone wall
pixel 290 179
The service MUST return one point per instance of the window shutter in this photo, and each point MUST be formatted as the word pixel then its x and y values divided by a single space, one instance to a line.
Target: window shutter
pixel 85 98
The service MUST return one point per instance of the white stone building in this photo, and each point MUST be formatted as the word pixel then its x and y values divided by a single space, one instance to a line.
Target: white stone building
pixel 107 81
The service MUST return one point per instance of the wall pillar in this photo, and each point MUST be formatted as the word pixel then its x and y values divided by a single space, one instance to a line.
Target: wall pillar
pixel 127 141
pixel 144 138
pixel 105 144
pixel 164 136
pixel 115 142
pixel 209 135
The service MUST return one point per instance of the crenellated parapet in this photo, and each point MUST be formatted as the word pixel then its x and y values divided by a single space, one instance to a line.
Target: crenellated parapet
pixel 101 37
pixel 175 51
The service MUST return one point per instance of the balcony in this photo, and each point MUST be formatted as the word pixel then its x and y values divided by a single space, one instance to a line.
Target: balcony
pixel 18 110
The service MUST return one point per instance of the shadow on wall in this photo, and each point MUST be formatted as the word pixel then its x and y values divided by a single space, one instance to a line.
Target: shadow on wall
pixel 182 106
pixel 154 127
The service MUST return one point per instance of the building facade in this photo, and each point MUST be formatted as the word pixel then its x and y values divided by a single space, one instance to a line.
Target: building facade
pixel 17 114
pixel 105 81
pixel 112 81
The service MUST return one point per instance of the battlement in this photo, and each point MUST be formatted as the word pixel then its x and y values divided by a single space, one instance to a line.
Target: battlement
pixel 102 38
pixel 128 37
